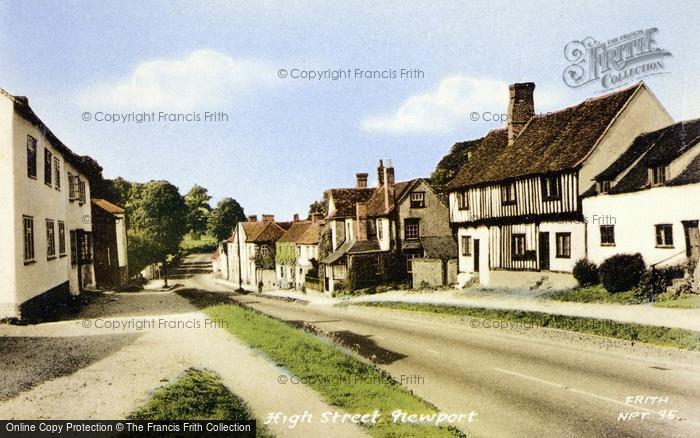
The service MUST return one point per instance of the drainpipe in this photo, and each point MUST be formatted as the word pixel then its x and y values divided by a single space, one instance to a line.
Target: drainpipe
pixel 238 250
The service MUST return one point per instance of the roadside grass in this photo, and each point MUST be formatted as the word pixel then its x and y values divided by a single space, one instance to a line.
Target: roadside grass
pixel 196 395
pixel 343 380
pixel 662 336
pixel 595 294
pixel 682 302
pixel 206 243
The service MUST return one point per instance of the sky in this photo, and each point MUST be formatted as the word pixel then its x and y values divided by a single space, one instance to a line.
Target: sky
pixel 285 137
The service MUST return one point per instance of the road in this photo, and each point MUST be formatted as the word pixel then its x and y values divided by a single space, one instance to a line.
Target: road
pixel 520 385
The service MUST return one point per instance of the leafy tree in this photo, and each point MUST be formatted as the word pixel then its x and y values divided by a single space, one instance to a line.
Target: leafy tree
pixel 450 164
pixel 224 217
pixel 198 209
pixel 158 219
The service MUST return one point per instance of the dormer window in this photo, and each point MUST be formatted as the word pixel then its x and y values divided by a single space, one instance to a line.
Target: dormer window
pixel 658 175
pixel 603 187
pixel 551 189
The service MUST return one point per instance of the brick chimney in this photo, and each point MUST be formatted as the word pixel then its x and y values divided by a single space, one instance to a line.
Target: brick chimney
pixel 521 107
pixel 268 218
pixel 361 180
pixel 361 221
pixel 315 216
pixel 380 174
pixel 389 185
pixel 253 218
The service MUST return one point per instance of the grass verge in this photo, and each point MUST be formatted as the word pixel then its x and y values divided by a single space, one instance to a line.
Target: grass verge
pixel 197 395
pixel 595 294
pixel 663 336
pixel 682 302
pixel 342 379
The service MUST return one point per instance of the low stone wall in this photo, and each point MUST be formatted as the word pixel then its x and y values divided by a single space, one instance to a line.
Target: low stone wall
pixel 428 272
pixel 452 271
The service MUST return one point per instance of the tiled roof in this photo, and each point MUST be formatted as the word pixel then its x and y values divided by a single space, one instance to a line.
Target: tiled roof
pixel 107 206
pixel 338 253
pixel 364 246
pixel 266 232
pixel 548 143
pixel 376 205
pixel 312 235
pixel 295 231
pixel 345 200
pixel 656 148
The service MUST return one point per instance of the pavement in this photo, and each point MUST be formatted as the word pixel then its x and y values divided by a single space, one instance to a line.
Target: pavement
pixel 645 314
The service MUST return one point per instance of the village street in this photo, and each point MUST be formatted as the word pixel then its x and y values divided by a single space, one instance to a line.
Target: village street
pixel 520 381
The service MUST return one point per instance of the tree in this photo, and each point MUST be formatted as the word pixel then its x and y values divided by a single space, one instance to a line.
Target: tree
pixel 158 221
pixel 319 206
pixel 198 209
pixel 450 164
pixel 224 217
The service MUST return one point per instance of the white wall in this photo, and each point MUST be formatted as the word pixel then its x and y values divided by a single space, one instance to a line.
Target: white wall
pixel 466 263
pixel 636 214
pixel 8 259
pixel 578 244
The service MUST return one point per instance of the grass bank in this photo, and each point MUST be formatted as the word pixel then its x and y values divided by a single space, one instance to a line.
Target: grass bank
pixel 682 302
pixel 662 336
pixel 342 379
pixel 196 395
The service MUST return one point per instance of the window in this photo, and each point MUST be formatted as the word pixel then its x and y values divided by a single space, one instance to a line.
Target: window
pixel 81 190
pixel 607 235
pixel 508 194
pixel 31 157
pixel 61 238
pixel 551 188
pixel 664 236
pixel 411 229
pixel 409 262
pixel 418 200
pixel 28 223
pixel 71 187
pixel 462 201
pixel 50 239
pixel 73 248
pixel 658 175
pixel 380 230
pixel 57 171
pixel 86 248
pixel 518 245
pixel 48 170
pixel 603 187
pixel 466 245
pixel 563 245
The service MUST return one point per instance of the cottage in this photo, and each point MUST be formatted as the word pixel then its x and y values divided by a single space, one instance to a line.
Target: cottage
pixel 516 202
pixel 286 253
pixel 109 231
pixel 401 220
pixel 307 255
pixel 46 218
pixel 251 251
pixel 648 200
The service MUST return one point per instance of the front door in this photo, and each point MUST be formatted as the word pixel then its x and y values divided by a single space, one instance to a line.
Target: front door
pixel 692 239
pixel 476 255
pixel 544 251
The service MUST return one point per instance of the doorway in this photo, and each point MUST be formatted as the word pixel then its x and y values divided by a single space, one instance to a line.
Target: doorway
pixel 476 255
pixel 692 239
pixel 544 251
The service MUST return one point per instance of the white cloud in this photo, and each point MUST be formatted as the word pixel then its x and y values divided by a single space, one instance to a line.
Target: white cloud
pixel 203 78
pixel 448 106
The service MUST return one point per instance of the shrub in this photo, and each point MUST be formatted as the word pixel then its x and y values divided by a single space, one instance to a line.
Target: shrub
pixel 655 281
pixel 586 273
pixel 621 272
pixel 362 273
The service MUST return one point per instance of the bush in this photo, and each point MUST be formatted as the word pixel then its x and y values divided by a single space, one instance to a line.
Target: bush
pixel 586 273
pixel 654 281
pixel 621 272
pixel 362 273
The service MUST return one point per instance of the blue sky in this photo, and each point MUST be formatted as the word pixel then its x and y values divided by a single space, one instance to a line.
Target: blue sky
pixel 287 140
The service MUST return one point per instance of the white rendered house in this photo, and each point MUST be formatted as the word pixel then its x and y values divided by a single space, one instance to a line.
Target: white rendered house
pixel 45 219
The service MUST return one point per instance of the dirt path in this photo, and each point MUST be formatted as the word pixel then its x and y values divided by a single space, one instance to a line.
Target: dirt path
pixel 86 369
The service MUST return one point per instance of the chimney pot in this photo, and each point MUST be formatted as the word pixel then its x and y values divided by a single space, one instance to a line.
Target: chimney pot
pixel 268 218
pixel 296 217
pixel 253 218
pixel 380 174
pixel 521 108
pixel 361 180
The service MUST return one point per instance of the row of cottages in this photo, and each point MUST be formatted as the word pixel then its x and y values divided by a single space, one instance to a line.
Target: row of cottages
pixel 405 219
pixel 519 203
pixel 46 222
pixel 297 252
pixel 250 251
